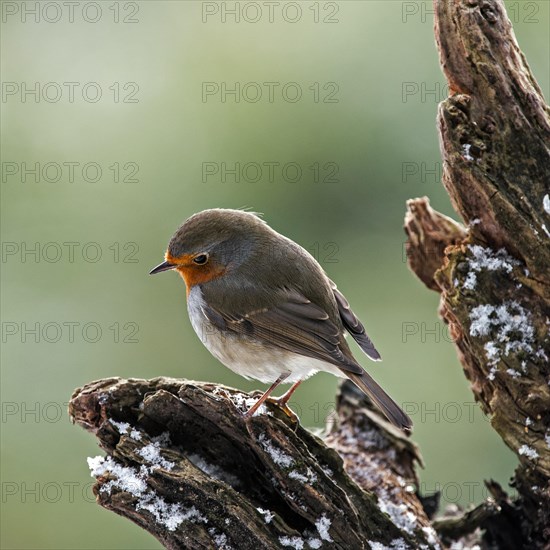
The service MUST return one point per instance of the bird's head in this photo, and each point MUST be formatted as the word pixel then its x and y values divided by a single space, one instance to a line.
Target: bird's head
pixel 210 243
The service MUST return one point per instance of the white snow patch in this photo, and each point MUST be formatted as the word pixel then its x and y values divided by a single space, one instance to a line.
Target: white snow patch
pixel 546 203
pixel 134 482
pixel 431 535
pixel 323 525
pixel 292 542
pixel 511 324
pixel 268 514
pixel 308 539
pixel 279 457
pixel 220 539
pixel 169 515
pixel 128 479
pixel 124 428
pixel 545 229
pixel 466 151
pixel 152 455
pixel 471 281
pixel 399 514
pixel 395 544
pixel 529 452
pixel 245 402
pixel 492 352
pixel 309 477
pixel 487 259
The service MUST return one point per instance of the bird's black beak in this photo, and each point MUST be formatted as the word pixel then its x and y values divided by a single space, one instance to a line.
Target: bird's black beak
pixel 164 266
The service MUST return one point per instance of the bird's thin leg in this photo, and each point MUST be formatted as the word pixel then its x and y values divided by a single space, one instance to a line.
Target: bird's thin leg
pixel 258 403
pixel 282 402
pixel 284 399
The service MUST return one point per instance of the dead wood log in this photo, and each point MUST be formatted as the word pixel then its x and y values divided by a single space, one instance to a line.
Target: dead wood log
pixel 183 463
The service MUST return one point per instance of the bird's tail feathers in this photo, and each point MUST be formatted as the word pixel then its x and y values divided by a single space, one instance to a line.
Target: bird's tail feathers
pixel 387 405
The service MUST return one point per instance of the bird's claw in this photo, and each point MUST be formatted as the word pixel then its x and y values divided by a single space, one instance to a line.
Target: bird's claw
pixel 283 406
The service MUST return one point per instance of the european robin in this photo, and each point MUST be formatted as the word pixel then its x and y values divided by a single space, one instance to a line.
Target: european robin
pixel 265 308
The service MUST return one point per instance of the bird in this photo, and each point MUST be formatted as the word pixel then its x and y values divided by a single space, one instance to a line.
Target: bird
pixel 265 308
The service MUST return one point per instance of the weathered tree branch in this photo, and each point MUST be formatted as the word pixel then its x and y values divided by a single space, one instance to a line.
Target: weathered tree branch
pixel 184 464
pixel 494 278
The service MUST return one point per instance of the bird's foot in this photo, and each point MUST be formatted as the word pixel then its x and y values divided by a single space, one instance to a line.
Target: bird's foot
pixel 282 404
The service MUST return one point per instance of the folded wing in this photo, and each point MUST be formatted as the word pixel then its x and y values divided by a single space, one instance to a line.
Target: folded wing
pixel 354 326
pixel 295 324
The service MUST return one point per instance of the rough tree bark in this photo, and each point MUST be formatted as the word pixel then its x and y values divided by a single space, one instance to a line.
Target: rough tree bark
pixel 184 464
pixel 494 276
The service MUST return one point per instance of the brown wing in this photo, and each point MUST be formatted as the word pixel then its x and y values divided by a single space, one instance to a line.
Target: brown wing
pixel 354 326
pixel 295 324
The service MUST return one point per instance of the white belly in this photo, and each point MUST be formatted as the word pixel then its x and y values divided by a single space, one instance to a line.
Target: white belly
pixel 248 357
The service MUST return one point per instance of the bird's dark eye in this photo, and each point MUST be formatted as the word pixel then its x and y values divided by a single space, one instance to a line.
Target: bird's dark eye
pixel 201 259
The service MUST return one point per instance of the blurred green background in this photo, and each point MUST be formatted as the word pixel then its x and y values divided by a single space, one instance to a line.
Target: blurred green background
pixel 363 136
